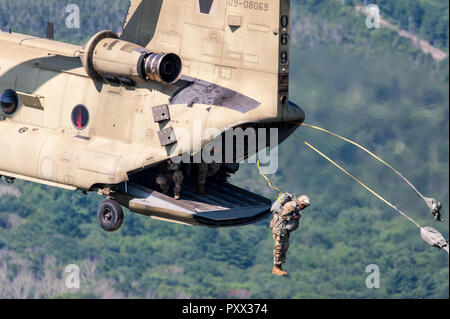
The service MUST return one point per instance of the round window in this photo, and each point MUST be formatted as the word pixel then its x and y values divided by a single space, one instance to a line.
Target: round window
pixel 80 117
pixel 9 102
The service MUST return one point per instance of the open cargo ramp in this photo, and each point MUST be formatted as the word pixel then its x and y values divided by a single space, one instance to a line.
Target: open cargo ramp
pixel 224 205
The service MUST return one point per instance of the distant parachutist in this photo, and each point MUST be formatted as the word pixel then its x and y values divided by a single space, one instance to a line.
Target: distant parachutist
pixel 435 208
pixel 169 172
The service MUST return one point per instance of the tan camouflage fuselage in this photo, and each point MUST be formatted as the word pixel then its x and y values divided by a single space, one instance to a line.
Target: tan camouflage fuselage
pixel 237 48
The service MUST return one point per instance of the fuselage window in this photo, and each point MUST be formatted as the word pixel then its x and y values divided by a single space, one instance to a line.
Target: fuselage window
pixel 80 117
pixel 9 102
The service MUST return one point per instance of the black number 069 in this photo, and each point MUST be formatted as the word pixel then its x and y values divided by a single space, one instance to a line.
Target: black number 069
pixel 284 39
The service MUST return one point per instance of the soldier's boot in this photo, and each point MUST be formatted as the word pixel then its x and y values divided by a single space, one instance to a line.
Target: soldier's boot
pixel 278 271
pixel 177 191
pixel 201 189
pixel 177 179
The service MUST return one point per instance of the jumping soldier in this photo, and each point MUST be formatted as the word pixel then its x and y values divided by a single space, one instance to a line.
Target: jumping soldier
pixel 286 219
pixel 170 172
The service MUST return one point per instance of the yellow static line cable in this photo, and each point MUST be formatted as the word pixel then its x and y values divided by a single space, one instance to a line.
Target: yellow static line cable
pixel 268 181
pixel 367 151
pixel 358 181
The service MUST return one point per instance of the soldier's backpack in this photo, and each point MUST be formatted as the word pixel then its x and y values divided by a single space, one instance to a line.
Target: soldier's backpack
pixel 280 202
pixel 279 226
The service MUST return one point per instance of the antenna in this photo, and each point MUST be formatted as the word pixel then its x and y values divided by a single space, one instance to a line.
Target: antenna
pixel 50 31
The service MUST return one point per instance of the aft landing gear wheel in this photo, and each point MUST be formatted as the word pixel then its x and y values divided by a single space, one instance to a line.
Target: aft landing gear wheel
pixel 110 215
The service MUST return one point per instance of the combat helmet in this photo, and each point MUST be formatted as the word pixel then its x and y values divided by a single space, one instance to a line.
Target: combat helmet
pixel 303 199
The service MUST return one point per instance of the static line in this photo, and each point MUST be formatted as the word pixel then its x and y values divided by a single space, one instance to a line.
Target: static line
pixel 268 181
pixel 367 151
pixel 432 204
pixel 358 181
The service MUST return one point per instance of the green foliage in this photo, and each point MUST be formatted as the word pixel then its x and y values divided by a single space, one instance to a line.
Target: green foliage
pixel 370 86
pixel 426 18
pixel 326 23
pixel 31 17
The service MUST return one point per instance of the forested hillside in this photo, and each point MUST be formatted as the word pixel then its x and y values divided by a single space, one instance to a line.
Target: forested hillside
pixel 369 85
pixel 427 18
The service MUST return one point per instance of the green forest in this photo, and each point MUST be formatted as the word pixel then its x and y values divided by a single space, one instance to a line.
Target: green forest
pixel 427 18
pixel 369 85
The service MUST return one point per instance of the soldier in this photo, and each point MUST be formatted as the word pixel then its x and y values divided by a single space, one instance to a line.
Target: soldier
pixel 170 172
pixel 286 219
pixel 205 171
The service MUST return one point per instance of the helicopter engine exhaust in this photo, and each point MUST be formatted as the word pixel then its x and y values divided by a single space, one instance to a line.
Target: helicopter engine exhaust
pixel 105 55
pixel 163 67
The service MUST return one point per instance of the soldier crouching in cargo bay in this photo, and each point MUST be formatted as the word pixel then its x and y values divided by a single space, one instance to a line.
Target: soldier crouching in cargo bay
pixel 205 171
pixel 169 172
pixel 286 219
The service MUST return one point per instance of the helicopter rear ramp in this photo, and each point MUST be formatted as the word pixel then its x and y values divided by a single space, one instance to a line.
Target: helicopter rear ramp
pixel 224 205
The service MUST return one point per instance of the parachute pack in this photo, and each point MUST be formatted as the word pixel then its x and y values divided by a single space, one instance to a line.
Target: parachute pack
pixel 281 201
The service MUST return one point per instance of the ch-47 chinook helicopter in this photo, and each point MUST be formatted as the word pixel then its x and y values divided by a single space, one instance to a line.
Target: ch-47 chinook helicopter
pixel 103 116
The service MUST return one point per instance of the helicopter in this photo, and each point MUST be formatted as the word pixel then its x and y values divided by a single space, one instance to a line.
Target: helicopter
pixel 104 116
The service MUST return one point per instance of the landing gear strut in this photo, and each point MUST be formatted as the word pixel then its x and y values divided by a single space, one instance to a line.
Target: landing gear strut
pixel 110 215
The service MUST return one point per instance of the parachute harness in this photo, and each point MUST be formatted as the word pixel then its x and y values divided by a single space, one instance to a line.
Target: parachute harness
pixel 430 235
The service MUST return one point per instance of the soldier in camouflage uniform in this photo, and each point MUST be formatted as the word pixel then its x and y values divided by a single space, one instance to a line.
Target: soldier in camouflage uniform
pixel 205 171
pixel 285 220
pixel 170 172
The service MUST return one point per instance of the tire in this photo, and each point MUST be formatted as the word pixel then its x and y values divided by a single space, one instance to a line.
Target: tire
pixel 110 215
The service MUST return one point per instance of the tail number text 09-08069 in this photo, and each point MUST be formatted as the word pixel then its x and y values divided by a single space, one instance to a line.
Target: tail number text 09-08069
pixel 251 5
